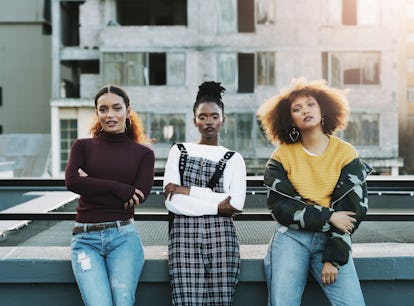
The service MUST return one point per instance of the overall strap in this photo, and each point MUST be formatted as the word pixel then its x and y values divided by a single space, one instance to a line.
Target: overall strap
pixel 221 165
pixel 182 161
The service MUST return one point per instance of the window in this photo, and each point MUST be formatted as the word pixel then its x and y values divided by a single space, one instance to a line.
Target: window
pixel 166 128
pixel 68 133
pixel 265 68
pixel 235 15
pixel 351 12
pixel 410 10
pixel 351 68
pixel 237 71
pixel 242 133
pixel 176 69
pixel 362 129
pixel 151 12
pixel 265 11
pixel 143 69
pixel 239 132
pixel 410 94
pixel 1 129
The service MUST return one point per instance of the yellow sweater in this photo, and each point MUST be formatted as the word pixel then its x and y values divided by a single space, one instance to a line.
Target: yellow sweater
pixel 315 176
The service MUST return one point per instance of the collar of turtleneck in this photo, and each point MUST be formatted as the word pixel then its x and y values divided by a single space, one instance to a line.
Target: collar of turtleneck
pixel 120 137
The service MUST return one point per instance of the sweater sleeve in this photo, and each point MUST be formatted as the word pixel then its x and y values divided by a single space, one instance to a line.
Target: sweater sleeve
pixel 89 186
pixel 185 204
pixel 145 175
pixel 234 180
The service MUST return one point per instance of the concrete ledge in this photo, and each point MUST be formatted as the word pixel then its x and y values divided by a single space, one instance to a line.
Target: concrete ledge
pixel 386 272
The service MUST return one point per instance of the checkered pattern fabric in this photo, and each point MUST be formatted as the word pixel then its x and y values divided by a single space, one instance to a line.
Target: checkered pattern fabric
pixel 204 258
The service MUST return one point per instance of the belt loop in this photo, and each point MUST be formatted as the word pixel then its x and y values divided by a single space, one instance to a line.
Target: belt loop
pixel 118 225
pixel 85 228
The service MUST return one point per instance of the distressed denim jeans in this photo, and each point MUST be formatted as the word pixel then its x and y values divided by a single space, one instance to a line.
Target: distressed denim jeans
pixel 291 255
pixel 107 265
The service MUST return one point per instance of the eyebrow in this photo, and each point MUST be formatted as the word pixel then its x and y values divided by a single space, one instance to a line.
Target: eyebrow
pixel 206 114
pixel 307 100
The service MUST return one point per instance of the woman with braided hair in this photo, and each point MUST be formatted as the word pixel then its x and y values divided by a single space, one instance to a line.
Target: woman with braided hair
pixel 204 186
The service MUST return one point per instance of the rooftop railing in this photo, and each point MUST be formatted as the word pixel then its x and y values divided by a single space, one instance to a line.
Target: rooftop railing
pixel 396 187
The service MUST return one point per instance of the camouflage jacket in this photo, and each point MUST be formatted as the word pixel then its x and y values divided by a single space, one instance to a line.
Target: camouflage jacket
pixel 290 209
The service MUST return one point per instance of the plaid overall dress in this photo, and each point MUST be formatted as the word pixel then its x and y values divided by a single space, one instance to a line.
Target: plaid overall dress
pixel 204 257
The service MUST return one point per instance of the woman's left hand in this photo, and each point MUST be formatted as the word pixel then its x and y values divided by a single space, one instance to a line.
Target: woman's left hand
pixel 135 200
pixel 329 274
pixel 171 189
pixel 82 173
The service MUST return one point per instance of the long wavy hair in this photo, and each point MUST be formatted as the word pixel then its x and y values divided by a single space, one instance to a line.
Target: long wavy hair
pixel 134 126
pixel 274 115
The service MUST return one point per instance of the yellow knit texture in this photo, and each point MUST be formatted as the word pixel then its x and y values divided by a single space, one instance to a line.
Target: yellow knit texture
pixel 315 177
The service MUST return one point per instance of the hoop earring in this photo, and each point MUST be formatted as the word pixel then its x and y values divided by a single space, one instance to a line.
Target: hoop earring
pixel 127 124
pixel 294 134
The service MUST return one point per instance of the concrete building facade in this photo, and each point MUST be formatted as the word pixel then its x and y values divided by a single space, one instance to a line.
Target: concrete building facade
pixel 25 66
pixel 406 92
pixel 160 51
pixel 25 87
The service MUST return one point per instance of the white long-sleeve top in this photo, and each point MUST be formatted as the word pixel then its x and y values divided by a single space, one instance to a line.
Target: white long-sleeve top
pixel 202 200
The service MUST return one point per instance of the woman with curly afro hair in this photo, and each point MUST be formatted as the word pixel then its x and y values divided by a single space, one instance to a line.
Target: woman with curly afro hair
pixel 317 194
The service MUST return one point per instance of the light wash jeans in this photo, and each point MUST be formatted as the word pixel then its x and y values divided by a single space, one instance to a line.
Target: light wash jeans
pixel 107 265
pixel 291 255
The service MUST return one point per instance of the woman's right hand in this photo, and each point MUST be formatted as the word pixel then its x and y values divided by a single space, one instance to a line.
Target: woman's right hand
pixel 225 208
pixel 343 220
pixel 135 200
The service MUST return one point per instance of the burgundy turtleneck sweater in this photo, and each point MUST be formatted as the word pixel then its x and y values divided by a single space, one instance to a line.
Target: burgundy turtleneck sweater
pixel 115 165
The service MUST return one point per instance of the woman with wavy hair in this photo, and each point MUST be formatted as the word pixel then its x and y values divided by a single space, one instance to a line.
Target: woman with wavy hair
pixel 316 193
pixel 113 173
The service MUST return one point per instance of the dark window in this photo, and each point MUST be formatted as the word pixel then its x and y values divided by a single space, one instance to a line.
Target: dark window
pixel 349 12
pixel 245 12
pixel 1 129
pixel 69 12
pixel 152 12
pixel 246 72
pixel 157 69
pixel 47 24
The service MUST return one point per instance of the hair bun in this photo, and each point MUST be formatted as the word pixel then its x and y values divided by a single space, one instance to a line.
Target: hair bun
pixel 210 89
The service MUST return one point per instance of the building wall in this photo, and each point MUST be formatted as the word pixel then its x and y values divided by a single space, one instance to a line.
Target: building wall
pixel 298 40
pixel 25 68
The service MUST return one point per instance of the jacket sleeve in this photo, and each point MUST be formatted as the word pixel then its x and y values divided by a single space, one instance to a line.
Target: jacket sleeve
pixel 350 194
pixel 287 206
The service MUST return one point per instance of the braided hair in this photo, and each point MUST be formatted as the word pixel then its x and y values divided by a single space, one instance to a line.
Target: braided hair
pixel 209 91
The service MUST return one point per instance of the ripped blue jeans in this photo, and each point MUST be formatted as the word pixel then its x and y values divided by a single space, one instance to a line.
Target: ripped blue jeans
pixel 107 265
pixel 291 255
